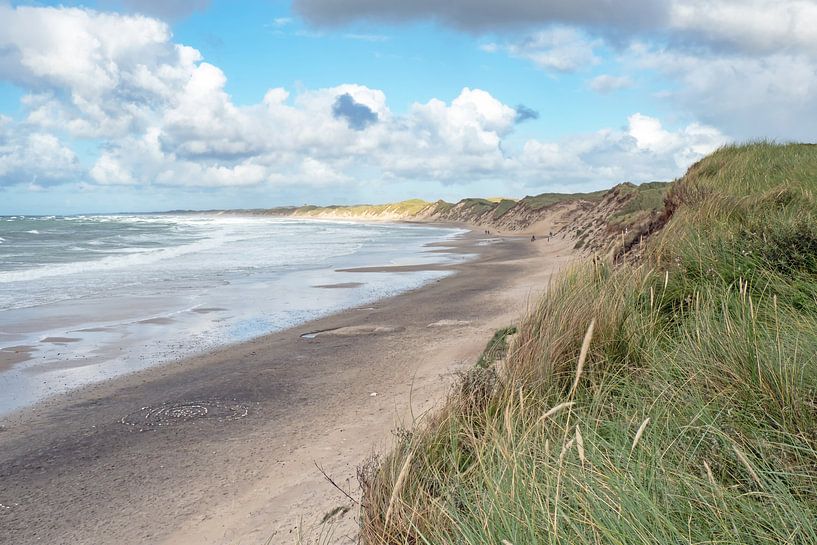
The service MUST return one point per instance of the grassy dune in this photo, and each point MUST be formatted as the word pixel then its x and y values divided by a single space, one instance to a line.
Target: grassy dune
pixel 670 401
pixel 547 199
pixel 405 208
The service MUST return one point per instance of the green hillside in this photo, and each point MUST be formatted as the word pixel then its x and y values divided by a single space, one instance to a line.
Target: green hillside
pixel 668 401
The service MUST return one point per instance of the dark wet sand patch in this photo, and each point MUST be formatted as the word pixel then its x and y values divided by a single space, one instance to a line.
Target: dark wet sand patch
pixel 454 247
pixel 60 365
pixel 12 355
pixel 352 331
pixel 157 321
pixel 340 285
pixel 207 310
pixel 60 340
pixel 459 251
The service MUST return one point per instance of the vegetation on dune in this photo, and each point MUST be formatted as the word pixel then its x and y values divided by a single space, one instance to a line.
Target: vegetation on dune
pixel 408 208
pixel 622 207
pixel 501 207
pixel 537 202
pixel 497 347
pixel 477 206
pixel 620 220
pixel 647 197
pixel 468 209
pixel 673 400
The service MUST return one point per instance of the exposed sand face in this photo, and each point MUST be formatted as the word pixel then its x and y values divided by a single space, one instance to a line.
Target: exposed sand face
pixel 221 448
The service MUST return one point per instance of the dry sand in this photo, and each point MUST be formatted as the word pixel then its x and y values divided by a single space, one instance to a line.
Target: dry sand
pixel 222 448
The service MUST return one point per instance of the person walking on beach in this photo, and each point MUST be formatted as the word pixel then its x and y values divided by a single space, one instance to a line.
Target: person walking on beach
pixel 533 238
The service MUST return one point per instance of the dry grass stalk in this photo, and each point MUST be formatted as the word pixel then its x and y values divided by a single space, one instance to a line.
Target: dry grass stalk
pixel 745 461
pixel 580 444
pixel 548 414
pixel 398 485
pixel 639 433
pixel 709 473
pixel 565 449
pixel 556 409
pixel 582 357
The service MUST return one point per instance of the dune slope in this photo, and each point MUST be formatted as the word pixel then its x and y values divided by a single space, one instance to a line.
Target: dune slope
pixel 670 398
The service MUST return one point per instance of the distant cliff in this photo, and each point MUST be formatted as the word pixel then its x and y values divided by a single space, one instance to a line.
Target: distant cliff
pixel 600 222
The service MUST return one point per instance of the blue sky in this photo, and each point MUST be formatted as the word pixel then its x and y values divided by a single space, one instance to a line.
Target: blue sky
pixel 148 105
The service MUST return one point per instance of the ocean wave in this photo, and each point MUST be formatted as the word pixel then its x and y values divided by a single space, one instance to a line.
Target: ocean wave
pixel 33 232
pixel 111 262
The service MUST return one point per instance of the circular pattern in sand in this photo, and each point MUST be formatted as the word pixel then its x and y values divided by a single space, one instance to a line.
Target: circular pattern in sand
pixel 170 414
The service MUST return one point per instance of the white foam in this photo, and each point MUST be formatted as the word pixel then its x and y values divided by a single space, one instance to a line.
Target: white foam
pixel 33 232
pixel 114 261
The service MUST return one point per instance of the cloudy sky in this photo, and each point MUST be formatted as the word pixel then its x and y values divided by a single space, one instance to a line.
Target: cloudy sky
pixel 138 105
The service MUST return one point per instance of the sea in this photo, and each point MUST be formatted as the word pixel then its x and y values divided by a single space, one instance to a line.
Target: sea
pixel 90 297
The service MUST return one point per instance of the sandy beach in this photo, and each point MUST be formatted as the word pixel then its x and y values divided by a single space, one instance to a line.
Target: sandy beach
pixel 225 448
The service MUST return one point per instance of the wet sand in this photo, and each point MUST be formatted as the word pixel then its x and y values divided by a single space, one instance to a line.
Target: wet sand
pixel 60 340
pixel 399 268
pixel 12 355
pixel 222 448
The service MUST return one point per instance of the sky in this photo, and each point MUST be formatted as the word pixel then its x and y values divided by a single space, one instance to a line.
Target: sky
pixel 148 105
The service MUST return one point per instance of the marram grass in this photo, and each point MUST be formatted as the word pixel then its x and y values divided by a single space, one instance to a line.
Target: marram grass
pixel 687 413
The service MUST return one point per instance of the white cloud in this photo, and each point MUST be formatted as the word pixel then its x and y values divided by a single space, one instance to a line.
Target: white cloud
pixel 35 158
pixel 560 49
pixel 645 151
pixel 747 66
pixel 606 83
pixel 304 142
pixel 749 96
pixel 164 117
pixel 757 26
pixel 94 74
pixel 281 21
pixel 109 171
pixel 650 135
pixel 169 9
pixel 366 37
pixel 749 25
pixel 686 145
